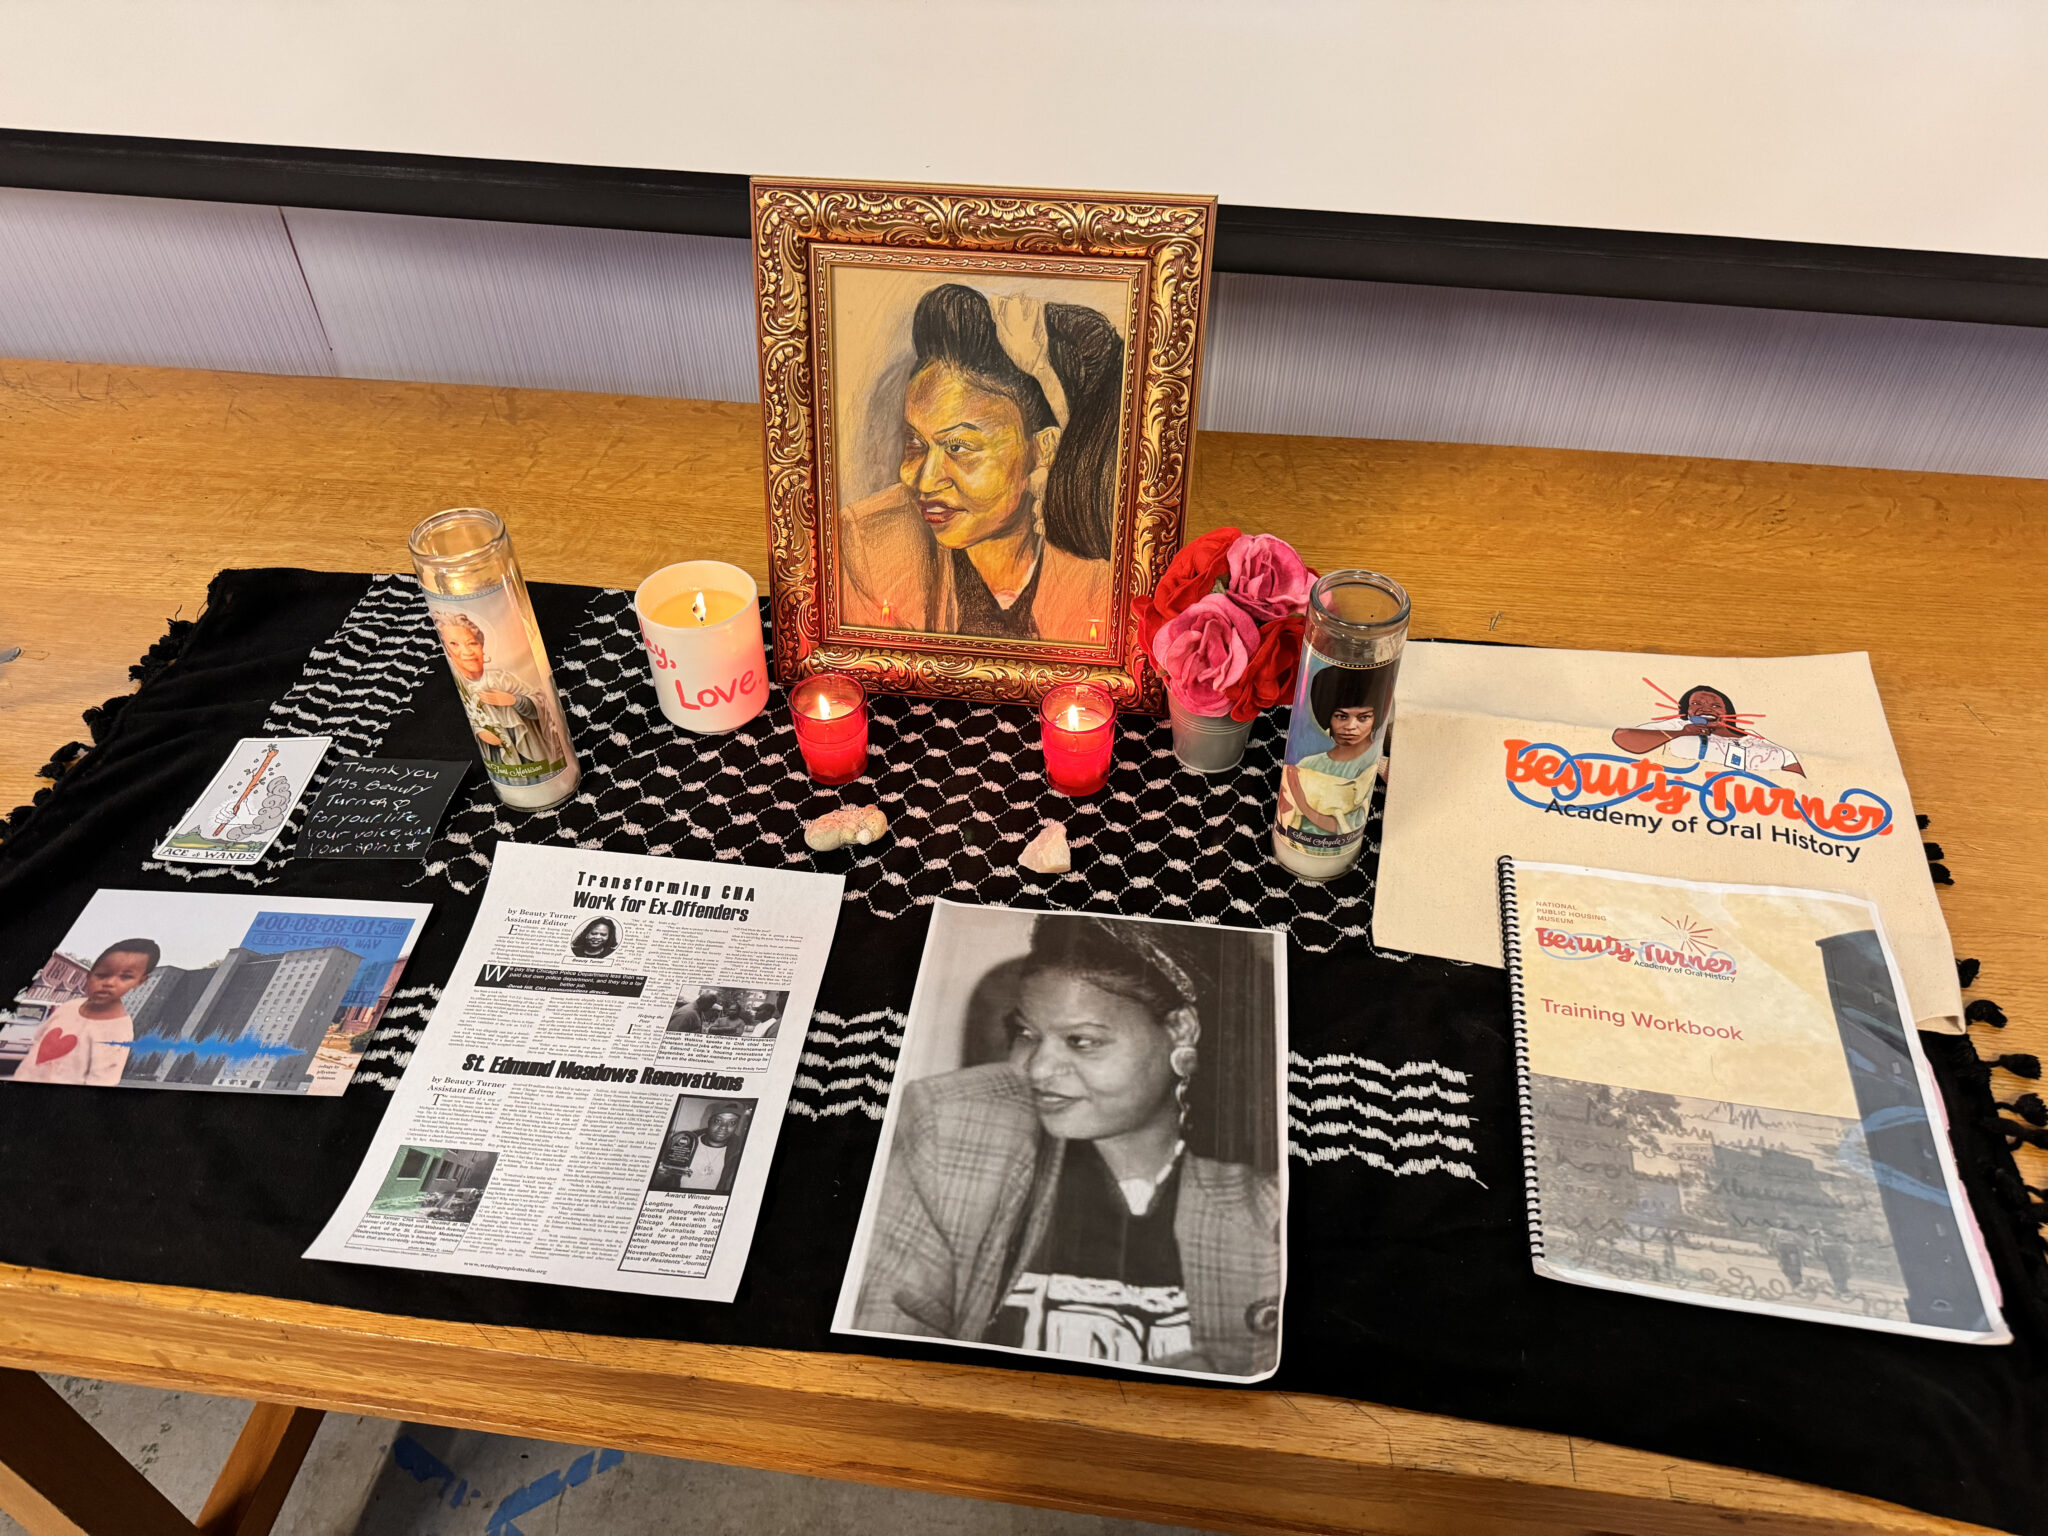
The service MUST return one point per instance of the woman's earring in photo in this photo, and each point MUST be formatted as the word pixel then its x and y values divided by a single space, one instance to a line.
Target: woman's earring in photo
pixel 1182 1059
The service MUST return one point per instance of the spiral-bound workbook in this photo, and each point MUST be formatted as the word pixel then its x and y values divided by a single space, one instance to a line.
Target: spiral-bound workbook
pixel 1722 1105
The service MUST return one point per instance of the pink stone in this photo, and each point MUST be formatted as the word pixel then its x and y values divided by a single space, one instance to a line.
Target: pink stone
pixel 1048 853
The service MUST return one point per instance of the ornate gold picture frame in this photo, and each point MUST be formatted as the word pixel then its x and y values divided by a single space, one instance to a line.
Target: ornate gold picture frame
pixel 977 407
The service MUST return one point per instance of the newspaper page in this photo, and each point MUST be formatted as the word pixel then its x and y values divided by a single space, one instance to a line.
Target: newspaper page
pixel 597 1098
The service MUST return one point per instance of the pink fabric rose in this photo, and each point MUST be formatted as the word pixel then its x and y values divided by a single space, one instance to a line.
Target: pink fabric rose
pixel 1205 648
pixel 1267 577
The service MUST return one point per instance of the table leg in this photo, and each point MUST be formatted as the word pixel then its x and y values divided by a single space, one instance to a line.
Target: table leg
pixel 252 1485
pixel 59 1478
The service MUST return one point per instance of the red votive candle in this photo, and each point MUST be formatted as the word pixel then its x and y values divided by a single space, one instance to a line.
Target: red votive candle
pixel 1078 721
pixel 831 714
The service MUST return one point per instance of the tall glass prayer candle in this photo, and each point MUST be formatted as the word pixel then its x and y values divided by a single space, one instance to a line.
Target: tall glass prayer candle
pixel 701 623
pixel 1343 703
pixel 1077 722
pixel 831 716
pixel 479 604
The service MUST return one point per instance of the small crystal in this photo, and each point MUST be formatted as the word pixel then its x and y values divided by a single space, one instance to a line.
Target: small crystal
pixel 1047 853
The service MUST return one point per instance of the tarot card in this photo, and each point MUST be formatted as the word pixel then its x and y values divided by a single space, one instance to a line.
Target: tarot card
pixel 238 816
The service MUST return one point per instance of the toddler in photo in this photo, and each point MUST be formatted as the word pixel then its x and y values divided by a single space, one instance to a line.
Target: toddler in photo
pixel 86 1040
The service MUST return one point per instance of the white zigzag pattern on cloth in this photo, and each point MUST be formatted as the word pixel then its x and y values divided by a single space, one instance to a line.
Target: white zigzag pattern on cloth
pixel 811 1094
pixel 962 787
pixel 1375 1078
pixel 384 1059
pixel 1402 1169
pixel 828 1085
pixel 351 689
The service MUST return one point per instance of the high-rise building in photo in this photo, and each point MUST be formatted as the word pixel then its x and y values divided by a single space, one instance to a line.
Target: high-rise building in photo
pixel 265 1013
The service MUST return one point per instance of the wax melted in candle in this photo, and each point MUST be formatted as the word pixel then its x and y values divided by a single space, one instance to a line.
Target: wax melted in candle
pixel 710 606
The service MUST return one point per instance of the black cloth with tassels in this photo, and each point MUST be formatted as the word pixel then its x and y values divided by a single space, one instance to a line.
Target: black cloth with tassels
pixel 1409 1278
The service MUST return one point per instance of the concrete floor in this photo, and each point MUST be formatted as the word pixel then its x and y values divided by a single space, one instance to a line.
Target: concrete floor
pixel 373 1477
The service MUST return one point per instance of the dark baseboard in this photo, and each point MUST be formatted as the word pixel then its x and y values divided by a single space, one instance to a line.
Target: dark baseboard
pixel 1457 253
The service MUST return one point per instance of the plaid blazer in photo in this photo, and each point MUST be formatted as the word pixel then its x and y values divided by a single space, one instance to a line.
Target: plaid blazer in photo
pixel 967 1196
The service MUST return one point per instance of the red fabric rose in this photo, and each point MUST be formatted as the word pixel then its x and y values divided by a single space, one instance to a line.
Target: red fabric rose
pixel 1204 649
pixel 1193 573
pixel 1268 678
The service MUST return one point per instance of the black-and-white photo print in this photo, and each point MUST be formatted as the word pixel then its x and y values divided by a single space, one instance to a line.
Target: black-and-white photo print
pixel 595 940
pixel 1083 1153
pixel 700 1153
pixel 750 1011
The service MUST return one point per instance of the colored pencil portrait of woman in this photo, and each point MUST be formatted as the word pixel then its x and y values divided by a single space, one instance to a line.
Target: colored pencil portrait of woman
pixel 1003 419
pixel 1107 1187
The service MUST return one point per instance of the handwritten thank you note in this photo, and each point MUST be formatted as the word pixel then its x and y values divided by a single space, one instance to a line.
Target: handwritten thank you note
pixel 379 808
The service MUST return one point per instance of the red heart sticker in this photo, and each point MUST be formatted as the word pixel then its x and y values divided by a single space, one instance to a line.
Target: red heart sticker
pixel 55 1043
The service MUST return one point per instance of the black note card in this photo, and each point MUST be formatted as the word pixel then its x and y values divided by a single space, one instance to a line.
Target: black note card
pixel 379 808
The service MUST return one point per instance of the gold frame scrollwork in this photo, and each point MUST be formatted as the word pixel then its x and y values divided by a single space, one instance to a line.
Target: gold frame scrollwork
pixel 1163 243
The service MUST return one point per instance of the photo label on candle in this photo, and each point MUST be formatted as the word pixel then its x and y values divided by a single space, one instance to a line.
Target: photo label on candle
pixel 507 691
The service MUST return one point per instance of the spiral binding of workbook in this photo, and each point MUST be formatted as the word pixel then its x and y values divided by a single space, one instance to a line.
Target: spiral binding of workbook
pixel 1511 957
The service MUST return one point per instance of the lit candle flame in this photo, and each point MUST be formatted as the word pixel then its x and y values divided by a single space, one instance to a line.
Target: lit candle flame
pixel 885 610
pixel 1073 717
pixel 824 708
pixel 697 607
pixel 1094 630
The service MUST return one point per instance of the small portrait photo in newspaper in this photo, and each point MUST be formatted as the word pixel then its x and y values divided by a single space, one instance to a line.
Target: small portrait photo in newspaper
pixel 1084 1150
pixel 595 940
pixel 700 1152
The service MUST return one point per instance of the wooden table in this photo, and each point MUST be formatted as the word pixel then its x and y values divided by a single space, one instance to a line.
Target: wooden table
pixel 122 490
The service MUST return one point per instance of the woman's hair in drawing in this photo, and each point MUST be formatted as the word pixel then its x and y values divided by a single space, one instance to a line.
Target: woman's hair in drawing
pixel 954 324
pixel 1685 699
pixel 448 621
pixel 1116 957
pixel 1336 688
pixel 147 948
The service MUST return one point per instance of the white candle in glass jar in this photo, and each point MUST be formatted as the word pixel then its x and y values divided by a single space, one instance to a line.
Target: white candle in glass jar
pixel 480 608
pixel 701 623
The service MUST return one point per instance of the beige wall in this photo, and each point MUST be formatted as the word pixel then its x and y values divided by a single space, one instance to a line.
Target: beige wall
pixel 1912 123
pixel 92 278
